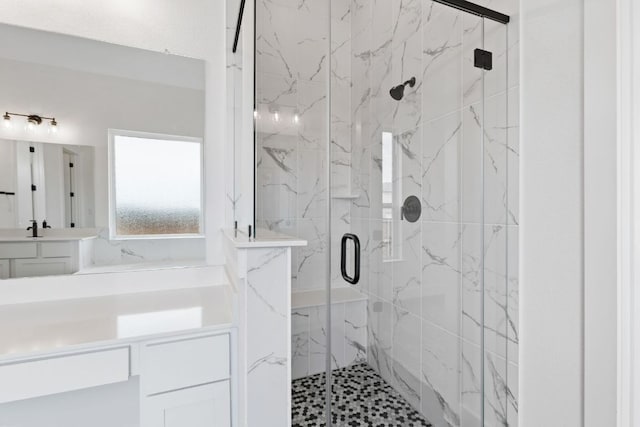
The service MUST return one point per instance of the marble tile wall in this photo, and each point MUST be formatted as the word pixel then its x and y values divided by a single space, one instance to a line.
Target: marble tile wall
pixel 425 306
pixel 308 337
pixel 424 309
pixel 116 252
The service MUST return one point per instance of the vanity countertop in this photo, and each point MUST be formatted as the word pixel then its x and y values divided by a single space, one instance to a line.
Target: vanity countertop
pixel 47 235
pixel 53 326
pixel 266 239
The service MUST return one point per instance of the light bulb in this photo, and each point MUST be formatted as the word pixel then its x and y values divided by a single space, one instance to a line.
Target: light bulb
pixel 7 121
pixel 30 127
pixel 296 118
pixel 53 126
pixel 276 116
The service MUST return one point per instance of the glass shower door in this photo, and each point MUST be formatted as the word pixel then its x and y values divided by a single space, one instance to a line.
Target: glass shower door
pixel 418 166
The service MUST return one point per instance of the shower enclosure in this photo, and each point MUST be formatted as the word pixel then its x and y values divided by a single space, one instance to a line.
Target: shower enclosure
pixel 385 135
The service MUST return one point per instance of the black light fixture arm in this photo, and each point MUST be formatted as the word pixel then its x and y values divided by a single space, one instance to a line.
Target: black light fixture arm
pixel 34 117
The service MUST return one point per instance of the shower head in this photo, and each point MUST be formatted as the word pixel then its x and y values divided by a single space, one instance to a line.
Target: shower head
pixel 397 92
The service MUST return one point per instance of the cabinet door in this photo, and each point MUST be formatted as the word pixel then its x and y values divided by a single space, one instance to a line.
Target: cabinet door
pixel 4 269
pixel 204 406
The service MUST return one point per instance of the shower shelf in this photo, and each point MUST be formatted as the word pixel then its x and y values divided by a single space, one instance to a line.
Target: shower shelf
pixel 345 196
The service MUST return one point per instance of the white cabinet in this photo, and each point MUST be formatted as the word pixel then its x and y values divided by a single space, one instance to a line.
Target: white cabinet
pixel 32 259
pixel 186 382
pixel 5 273
pixel 47 376
pixel 204 406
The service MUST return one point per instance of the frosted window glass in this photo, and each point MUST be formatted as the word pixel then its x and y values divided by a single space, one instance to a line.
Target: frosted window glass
pixel 157 186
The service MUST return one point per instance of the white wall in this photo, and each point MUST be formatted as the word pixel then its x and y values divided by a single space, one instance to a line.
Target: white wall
pixel 181 27
pixel 552 292
pixel 600 185
pixel 569 229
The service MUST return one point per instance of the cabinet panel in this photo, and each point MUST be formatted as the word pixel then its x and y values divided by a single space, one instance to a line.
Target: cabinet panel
pixel 42 267
pixel 65 373
pixel 4 269
pixel 184 363
pixel 203 406
pixel 19 250
pixel 55 249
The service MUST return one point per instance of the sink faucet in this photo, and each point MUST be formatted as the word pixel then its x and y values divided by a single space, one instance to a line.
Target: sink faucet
pixel 45 225
pixel 34 228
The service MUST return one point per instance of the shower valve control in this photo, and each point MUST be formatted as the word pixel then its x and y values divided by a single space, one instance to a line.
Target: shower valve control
pixel 411 209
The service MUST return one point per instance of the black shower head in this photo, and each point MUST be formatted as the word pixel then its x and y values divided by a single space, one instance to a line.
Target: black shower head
pixel 397 92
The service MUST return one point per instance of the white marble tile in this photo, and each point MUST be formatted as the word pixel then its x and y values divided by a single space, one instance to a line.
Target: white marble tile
pixel 300 343
pixel 441 274
pixel 440 376
pixel 410 166
pixel 495 41
pixel 513 156
pixel 495 159
pixel 513 295
pixel 311 185
pixel 407 271
pixel 441 60
pixel 470 385
pixel 441 146
pixel 512 395
pixel 497 393
pixel 319 337
pixel 355 334
pixel 276 43
pixel 381 270
pixel 496 322
pixel 267 354
pixel 471 290
pixel 406 355
pixel 312 110
pixel 379 339
pixel 311 35
pixel 471 203
pixel 471 76
pixel 311 265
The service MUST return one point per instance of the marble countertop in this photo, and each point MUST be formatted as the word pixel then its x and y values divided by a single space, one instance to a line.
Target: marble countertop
pixel 266 239
pixel 53 326
pixel 47 235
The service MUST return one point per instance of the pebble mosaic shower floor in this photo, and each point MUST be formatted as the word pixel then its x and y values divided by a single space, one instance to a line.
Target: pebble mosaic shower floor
pixel 360 398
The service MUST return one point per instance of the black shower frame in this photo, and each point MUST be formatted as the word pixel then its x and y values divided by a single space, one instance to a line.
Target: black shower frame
pixel 463 5
pixel 483 12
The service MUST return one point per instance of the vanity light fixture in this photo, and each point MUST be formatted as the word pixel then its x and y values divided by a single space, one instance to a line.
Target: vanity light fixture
pixel 33 120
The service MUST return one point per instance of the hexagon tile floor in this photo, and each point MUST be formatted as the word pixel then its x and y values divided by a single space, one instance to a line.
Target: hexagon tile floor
pixel 360 398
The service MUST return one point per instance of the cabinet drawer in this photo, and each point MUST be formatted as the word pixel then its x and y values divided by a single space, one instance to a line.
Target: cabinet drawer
pixel 55 249
pixel 174 365
pixel 42 267
pixel 18 250
pixel 65 373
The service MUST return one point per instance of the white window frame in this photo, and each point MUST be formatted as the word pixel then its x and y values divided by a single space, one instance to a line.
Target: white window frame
pixel 113 133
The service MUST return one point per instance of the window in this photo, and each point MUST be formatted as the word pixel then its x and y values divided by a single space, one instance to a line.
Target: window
pixel 155 185
pixel 391 191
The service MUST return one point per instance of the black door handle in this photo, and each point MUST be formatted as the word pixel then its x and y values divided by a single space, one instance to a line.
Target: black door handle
pixel 343 258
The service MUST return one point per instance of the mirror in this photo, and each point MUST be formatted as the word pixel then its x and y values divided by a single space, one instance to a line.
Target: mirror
pixel 101 147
